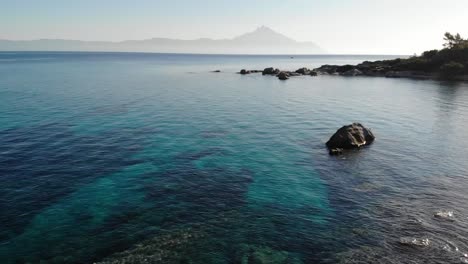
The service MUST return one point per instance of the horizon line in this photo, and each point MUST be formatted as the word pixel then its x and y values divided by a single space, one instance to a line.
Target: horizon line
pixel 204 54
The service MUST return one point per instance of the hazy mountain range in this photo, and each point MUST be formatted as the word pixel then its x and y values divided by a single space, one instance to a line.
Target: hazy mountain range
pixel 261 41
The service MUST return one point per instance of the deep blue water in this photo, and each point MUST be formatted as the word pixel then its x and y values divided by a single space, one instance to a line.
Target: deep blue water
pixel 131 157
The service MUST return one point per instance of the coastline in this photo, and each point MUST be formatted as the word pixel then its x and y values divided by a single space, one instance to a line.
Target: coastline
pixel 359 70
pixel 354 71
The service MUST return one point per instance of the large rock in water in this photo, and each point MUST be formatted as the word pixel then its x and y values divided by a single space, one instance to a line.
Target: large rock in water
pixel 349 137
pixel 270 71
pixel 283 76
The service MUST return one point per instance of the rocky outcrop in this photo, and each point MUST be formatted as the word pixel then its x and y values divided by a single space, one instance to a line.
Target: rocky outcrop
pixel 244 71
pixel 293 73
pixel 326 69
pixel 410 74
pixel 303 71
pixel 389 69
pixel 350 137
pixel 270 71
pixel 283 76
pixel 344 68
pixel 353 72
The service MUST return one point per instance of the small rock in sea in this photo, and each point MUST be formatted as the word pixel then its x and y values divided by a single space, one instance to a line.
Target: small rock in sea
pixel 411 241
pixel 444 214
pixel 244 71
pixel 450 248
pixel 350 137
pixel 283 76
pixel 270 71
pixel 336 151
pixel 216 71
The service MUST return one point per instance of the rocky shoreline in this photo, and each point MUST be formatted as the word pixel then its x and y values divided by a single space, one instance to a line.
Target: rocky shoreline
pixel 370 69
pixel 281 74
pixel 373 69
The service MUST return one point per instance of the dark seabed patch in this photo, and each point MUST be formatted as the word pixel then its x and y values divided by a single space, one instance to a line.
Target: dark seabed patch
pixel 41 164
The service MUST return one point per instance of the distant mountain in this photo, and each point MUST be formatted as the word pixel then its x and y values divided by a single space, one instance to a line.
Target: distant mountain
pixel 261 41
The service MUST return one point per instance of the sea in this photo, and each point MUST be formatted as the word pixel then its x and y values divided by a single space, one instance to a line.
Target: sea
pixel 154 158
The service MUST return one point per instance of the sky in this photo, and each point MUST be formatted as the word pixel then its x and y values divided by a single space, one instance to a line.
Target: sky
pixel 341 27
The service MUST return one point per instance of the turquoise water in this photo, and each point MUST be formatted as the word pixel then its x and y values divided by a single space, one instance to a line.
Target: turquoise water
pixel 120 156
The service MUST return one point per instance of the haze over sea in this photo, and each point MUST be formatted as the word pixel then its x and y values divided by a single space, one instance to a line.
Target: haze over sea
pixel 101 152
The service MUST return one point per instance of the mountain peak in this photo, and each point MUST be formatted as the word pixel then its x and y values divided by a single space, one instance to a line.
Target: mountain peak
pixel 264 29
pixel 265 35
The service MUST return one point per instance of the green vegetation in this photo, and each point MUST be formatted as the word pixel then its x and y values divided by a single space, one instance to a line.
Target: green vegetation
pixel 452 69
pixel 448 63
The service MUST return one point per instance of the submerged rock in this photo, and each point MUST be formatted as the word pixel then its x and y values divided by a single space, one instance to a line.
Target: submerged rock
pixel 171 247
pixel 336 151
pixel 252 254
pixel 283 76
pixel 351 136
pixel 411 241
pixel 444 215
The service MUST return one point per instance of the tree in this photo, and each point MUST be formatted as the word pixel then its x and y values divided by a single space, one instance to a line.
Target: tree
pixel 430 54
pixel 454 41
